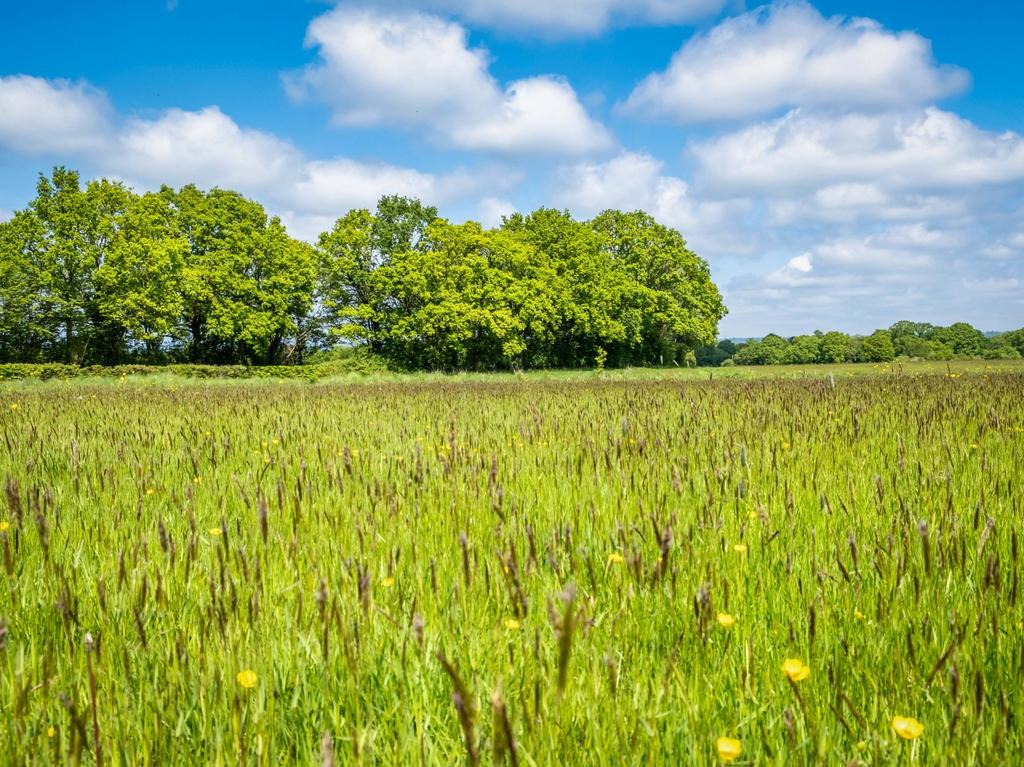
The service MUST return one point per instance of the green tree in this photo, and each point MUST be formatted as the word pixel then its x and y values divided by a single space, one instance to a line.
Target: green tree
pixel 245 283
pixel 802 350
pixel 349 298
pixel 25 333
pixel 964 339
pixel 454 305
pixel 1014 338
pixel 67 235
pixel 835 347
pixel 671 286
pixel 589 296
pixel 878 347
pixel 138 283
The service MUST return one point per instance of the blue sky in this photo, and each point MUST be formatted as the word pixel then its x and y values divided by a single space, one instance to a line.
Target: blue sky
pixel 840 164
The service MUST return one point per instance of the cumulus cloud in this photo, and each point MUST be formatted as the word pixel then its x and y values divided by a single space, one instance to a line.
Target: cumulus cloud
pixel 205 147
pixel 637 181
pixel 789 55
pixel 570 18
pixel 630 181
pixel 862 281
pixel 38 115
pixel 924 149
pixel 412 70
pixel 850 202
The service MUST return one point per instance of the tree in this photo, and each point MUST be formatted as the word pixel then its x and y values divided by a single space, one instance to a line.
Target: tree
pixel 835 347
pixel 360 243
pixel 101 274
pixel 1014 338
pixel 25 334
pixel 590 296
pixel 964 339
pixel 67 233
pixel 244 282
pixel 772 350
pixel 457 304
pixel 802 350
pixel 138 283
pixel 710 356
pixel 672 286
pixel 878 347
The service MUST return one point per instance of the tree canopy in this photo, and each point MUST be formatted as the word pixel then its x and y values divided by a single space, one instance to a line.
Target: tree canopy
pixel 96 274
pixel 905 339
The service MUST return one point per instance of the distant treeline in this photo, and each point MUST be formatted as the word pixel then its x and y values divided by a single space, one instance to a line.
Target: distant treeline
pixel 99 275
pixel 913 340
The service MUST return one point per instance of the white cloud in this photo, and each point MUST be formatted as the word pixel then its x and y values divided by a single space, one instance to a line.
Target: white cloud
pixel 928 149
pixel 548 18
pixel 408 70
pixel 399 68
pixel 38 115
pixel 1006 248
pixel 880 252
pixel 859 282
pixel 849 202
pixel 635 181
pixel 540 114
pixel 205 147
pixel 630 181
pixel 326 186
pixel 789 55
pixel 491 210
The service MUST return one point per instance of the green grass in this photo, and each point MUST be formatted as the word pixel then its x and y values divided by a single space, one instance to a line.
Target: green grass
pixel 566 541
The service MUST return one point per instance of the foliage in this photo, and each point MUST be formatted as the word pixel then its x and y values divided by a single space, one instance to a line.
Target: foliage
pixel 103 276
pixel 352 362
pixel 905 339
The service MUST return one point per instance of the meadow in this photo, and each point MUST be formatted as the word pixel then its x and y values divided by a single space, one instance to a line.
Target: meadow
pixel 818 566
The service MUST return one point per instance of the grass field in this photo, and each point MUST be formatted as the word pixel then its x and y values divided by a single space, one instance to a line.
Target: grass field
pixel 531 570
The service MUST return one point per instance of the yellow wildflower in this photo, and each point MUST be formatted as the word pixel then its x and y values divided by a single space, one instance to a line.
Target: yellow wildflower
pixel 740 548
pixel 5 526
pixel 726 621
pixel 858 615
pixel 616 559
pixel 512 624
pixel 907 727
pixel 795 669
pixel 388 582
pixel 246 678
pixel 14 406
pixel 216 532
pixel 50 731
pixel 728 749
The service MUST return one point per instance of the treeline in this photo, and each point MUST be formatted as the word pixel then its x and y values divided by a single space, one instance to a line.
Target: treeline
pixel 97 274
pixel 909 340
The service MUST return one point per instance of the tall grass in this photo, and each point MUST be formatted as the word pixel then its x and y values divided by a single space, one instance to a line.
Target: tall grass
pixel 578 570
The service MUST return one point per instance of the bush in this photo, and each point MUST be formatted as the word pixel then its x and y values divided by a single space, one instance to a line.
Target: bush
pixel 357 362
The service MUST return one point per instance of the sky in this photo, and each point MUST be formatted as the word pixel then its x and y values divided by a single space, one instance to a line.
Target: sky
pixel 840 164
